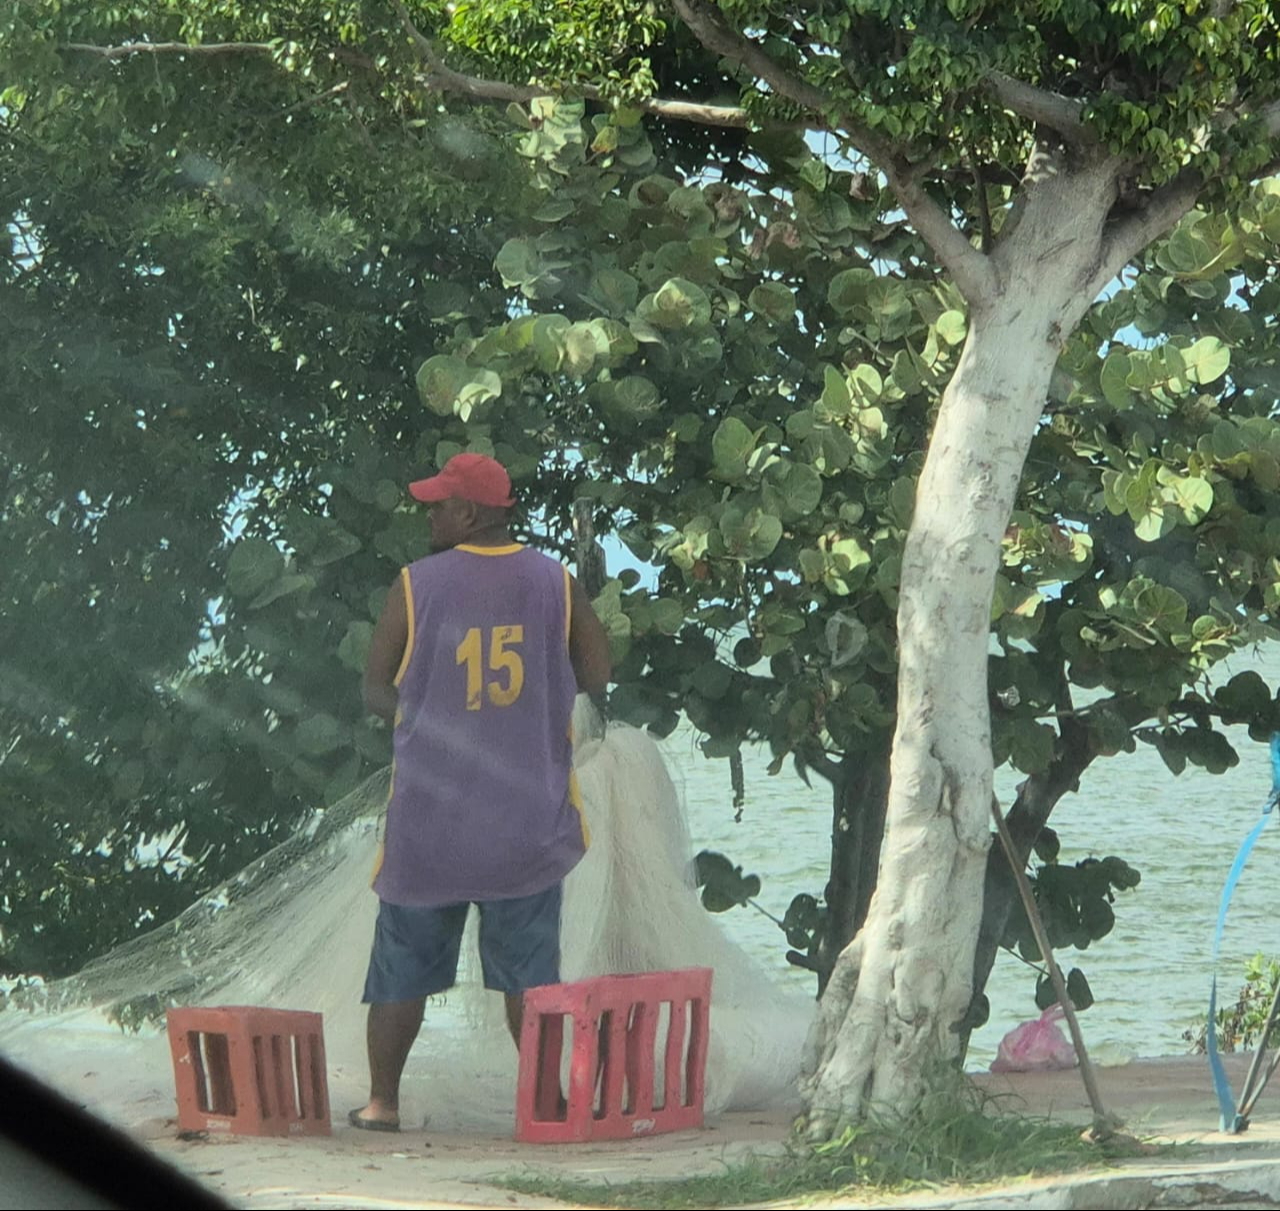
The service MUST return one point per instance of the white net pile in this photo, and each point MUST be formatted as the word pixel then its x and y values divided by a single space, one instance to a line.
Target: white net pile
pixel 293 930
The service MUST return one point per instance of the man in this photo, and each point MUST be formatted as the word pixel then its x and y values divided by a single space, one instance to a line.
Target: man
pixel 477 657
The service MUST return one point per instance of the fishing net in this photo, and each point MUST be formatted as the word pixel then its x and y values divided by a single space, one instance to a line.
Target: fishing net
pixel 293 930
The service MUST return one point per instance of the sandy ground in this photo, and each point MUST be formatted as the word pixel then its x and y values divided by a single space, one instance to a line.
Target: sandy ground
pixel 1165 1099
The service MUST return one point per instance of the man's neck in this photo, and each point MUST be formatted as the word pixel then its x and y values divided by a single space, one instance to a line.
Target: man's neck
pixel 488 536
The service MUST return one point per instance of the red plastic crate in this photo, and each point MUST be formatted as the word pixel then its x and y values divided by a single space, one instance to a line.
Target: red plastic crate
pixel 613 1068
pixel 250 1071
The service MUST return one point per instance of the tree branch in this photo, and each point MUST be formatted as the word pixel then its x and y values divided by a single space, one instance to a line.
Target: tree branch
pixel 1130 235
pixel 819 762
pixel 969 269
pixel 1164 207
pixel 1270 115
pixel 710 28
pixel 171 48
pixel 1059 113
pixel 984 209
pixel 442 77
pixel 335 91
pixel 967 266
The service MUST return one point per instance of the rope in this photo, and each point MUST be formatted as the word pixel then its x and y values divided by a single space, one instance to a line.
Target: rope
pixel 1234 1117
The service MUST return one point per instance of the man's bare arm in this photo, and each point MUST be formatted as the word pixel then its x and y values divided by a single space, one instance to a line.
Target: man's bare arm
pixel 588 644
pixel 386 651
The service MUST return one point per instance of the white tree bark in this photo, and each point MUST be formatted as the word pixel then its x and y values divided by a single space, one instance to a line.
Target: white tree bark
pixel 888 1015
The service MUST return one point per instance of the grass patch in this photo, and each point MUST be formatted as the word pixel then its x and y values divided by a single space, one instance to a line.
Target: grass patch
pixel 959 1136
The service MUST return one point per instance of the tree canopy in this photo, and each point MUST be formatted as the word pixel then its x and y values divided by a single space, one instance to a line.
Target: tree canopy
pixel 265 266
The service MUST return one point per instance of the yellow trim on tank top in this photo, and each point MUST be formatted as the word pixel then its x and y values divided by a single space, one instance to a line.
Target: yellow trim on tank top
pixel 511 549
pixel 568 608
pixel 408 640
pixel 575 792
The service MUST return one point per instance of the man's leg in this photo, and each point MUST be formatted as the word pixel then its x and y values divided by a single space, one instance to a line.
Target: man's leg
pixel 515 1020
pixel 520 948
pixel 515 1014
pixel 391 1032
pixel 415 955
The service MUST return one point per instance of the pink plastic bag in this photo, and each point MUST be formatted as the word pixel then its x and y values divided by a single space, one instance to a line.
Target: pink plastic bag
pixel 1038 1046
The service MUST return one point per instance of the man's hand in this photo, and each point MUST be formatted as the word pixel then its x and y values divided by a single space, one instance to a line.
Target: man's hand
pixel 588 643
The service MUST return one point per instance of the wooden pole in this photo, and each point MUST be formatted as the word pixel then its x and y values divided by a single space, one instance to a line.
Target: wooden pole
pixel 1104 1123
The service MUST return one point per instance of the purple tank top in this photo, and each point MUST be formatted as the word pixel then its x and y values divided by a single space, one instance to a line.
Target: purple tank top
pixel 483 803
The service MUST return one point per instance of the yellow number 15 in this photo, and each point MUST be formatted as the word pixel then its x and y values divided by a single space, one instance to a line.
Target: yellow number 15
pixel 503 689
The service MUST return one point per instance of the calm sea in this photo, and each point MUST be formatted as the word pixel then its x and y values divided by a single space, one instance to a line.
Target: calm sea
pixel 1150 976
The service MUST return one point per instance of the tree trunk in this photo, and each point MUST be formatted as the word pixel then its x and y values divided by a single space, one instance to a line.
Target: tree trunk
pixel 892 1008
pixel 859 794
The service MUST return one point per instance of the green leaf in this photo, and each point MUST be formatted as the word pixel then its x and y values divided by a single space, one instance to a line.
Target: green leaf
pixel 867 382
pixel 581 347
pixel 387 495
pixel 551 211
pixel 1193 496
pixel 128 780
pixel 636 397
pixel 952 326
pixel 1168 742
pixel 847 563
pixel 667 615
pixel 254 563
pixel 792 490
pixel 1115 379
pixel 1030 745
pixel 1047 845
pixel 680 303
pixel 547 339
pixel 813 564
pixel 1206 360
pixel 1097 918
pixel 406 537
pixel 517 262
pixel 1161 607
pixel 439 380
pixel 836 400
pixel 849 288
pixel 731 445
pixel 749 534
pixel 712 680
pixel 330 542
pixel 847 636
pixel 1245 696
pixel 723 884
pixel 295 582
pixel 1078 989
pixel 803 921
pixel 1209 749
pixel 353 651
pixel 1155 522
pixel 1109 730
pixel 615 289
pixel 889 302
pixel 774 301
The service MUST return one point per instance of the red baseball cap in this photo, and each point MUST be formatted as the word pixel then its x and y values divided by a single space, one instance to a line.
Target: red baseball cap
pixel 474 477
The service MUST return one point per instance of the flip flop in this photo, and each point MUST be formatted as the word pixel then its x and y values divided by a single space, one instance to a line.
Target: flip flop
pixel 370 1124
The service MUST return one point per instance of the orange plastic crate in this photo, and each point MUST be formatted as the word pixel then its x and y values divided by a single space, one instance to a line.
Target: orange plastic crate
pixel 614 1064
pixel 250 1071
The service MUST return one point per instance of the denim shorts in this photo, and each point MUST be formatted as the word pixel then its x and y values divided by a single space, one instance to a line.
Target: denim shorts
pixel 415 948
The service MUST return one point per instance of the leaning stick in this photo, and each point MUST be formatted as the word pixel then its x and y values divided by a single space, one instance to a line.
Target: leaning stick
pixel 1104 1123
